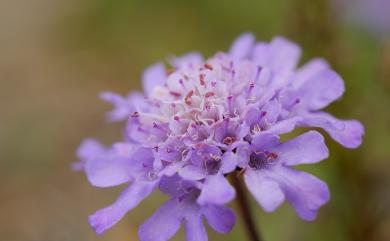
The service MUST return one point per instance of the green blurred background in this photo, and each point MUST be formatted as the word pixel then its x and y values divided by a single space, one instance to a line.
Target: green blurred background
pixel 56 56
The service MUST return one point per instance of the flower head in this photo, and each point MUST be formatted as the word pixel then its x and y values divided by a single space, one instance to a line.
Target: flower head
pixel 206 119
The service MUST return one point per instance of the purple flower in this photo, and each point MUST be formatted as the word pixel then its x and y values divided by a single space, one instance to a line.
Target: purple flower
pixel 183 208
pixel 370 14
pixel 207 119
pixel 269 171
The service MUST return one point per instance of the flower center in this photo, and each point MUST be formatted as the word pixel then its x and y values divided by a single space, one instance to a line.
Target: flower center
pixel 261 160
pixel 212 165
pixel 229 140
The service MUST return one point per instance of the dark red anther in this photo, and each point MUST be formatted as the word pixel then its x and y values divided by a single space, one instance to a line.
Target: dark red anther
pixel 201 79
pixel 176 118
pixel 135 114
pixel 174 93
pixel 188 97
pixel 272 155
pixel 208 66
pixel 263 113
pixel 229 140
pixel 209 94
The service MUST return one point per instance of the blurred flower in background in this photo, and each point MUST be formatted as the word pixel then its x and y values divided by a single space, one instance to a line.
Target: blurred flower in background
pixel 373 15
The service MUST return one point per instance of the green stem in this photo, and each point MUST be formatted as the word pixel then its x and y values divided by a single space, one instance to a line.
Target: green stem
pixel 244 206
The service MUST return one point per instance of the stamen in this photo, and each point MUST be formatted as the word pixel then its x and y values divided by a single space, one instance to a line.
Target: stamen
pixel 209 94
pixel 175 94
pixel 208 66
pixel 229 140
pixel 202 79
pixel 188 97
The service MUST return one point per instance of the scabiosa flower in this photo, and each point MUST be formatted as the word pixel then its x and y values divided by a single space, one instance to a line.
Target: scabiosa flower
pixel 199 121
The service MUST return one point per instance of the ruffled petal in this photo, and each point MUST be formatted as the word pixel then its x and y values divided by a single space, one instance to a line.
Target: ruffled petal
pixel 164 223
pixel 153 76
pixel 321 89
pixel 216 190
pixel 303 191
pixel 187 61
pixel 108 171
pixel 123 106
pixel 220 218
pixel 307 71
pixel 242 46
pixel 281 55
pixel 88 150
pixel 348 133
pixel 122 164
pixel 194 228
pixel 265 190
pixel 306 148
pixel 130 198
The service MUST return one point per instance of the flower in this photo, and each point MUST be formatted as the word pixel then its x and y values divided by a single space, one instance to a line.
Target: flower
pixel 182 207
pixel 372 15
pixel 200 121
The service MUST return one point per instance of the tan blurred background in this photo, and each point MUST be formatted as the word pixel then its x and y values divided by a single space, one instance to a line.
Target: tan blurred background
pixel 56 56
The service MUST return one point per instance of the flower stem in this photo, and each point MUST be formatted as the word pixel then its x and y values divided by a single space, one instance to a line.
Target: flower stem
pixel 244 206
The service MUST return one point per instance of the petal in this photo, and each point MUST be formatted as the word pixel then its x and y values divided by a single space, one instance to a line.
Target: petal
pixel 153 76
pixel 122 164
pixel 348 133
pixel 194 228
pixel 191 172
pixel 303 191
pixel 89 149
pixel 216 190
pixel 321 89
pixel 266 191
pixel 309 70
pixel 282 127
pixel 242 46
pixel 175 186
pixel 122 106
pixel 220 218
pixel 271 111
pixel 189 60
pixel 262 142
pixel 164 223
pixel 281 55
pixel 108 171
pixel 229 162
pixel 306 148
pixel 130 198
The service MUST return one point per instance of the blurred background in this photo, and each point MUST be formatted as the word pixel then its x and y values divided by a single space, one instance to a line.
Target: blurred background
pixel 56 56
